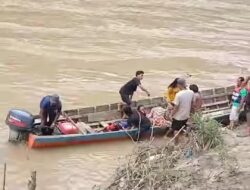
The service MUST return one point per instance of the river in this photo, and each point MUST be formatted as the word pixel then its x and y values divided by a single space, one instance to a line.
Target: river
pixel 85 50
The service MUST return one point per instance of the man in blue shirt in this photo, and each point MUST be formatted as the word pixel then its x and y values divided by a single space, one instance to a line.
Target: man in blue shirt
pixel 50 110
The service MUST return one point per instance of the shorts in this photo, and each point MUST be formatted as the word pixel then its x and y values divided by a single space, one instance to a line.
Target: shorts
pixel 126 98
pixel 234 114
pixel 178 124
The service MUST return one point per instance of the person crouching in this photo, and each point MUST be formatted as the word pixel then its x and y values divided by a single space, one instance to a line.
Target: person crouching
pixel 137 120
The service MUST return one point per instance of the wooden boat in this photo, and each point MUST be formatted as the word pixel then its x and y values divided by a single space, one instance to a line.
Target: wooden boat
pixel 216 105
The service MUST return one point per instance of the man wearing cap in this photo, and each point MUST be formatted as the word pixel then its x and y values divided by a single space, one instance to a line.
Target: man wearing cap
pixel 183 103
pixel 50 110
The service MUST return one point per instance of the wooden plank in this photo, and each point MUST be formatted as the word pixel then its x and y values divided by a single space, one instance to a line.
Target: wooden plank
pixel 216 95
pixel 83 126
pixel 214 110
pixel 215 103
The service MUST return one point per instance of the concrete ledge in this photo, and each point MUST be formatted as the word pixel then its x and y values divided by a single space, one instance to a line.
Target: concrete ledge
pixel 221 98
pixel 208 101
pixel 114 106
pixel 144 102
pixel 71 112
pixel 110 111
pixel 84 118
pixel 207 92
pixel 134 104
pixel 225 105
pixel 219 90
pixel 86 110
pixel 102 108
pixel 157 100
pixel 104 116
pixel 230 89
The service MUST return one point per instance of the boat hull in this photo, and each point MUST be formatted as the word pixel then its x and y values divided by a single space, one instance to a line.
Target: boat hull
pixel 36 141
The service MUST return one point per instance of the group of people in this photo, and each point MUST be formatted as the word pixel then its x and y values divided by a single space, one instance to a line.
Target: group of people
pixel 180 102
pixel 175 113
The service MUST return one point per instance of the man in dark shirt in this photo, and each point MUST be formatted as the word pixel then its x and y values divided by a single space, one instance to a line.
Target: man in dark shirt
pixel 50 110
pixel 130 87
pixel 137 120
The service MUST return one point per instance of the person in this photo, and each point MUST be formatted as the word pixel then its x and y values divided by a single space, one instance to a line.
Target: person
pixel 141 109
pixel 50 110
pixel 137 120
pixel 247 111
pixel 157 116
pixel 238 99
pixel 170 95
pixel 130 87
pixel 172 91
pixel 197 104
pixel 183 104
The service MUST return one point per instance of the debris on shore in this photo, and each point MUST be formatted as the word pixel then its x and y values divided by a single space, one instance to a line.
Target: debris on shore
pixel 201 162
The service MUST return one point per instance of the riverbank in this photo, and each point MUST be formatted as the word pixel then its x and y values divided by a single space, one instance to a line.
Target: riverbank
pixel 175 167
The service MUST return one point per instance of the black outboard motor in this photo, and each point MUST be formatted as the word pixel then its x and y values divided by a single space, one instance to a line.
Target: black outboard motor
pixel 20 123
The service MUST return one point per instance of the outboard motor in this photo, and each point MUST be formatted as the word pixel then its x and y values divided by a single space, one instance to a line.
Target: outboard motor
pixel 20 123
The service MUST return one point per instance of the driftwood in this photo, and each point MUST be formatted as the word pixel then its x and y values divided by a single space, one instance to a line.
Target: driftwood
pixel 32 181
pixel 4 176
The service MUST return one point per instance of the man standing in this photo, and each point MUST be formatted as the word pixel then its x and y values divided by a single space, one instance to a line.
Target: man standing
pixel 50 110
pixel 238 99
pixel 130 87
pixel 183 103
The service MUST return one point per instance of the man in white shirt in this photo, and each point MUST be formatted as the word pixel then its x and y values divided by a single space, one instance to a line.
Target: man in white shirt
pixel 183 103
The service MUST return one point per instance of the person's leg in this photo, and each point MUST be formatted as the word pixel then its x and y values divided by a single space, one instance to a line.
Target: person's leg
pixel 177 126
pixel 233 117
pixel 126 99
pixel 52 117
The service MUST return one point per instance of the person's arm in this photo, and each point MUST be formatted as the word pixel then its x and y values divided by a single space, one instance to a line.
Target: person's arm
pixel 43 116
pixel 194 103
pixel 55 120
pixel 59 112
pixel 167 95
pixel 43 112
pixel 150 114
pixel 176 106
pixel 144 89
pixel 131 96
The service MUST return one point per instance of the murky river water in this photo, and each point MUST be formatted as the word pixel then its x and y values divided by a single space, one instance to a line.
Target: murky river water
pixel 85 50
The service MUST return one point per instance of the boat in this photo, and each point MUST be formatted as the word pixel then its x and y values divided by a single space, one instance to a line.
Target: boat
pixel 90 121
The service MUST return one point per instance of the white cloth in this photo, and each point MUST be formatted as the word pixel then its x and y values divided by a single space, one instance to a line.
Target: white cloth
pixel 234 114
pixel 183 100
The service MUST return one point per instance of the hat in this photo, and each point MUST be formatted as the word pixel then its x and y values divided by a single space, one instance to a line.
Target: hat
pixel 54 98
pixel 181 82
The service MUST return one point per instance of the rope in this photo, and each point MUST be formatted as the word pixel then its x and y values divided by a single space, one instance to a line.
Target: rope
pixel 138 136
pixel 139 128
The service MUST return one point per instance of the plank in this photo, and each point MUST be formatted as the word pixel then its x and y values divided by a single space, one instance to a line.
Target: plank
pixel 84 127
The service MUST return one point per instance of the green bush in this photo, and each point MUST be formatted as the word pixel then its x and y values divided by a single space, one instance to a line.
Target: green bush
pixel 207 132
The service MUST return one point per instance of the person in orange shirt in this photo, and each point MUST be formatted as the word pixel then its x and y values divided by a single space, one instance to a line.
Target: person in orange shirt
pixel 170 95
pixel 172 91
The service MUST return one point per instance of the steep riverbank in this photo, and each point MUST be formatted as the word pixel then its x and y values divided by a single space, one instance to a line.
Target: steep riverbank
pixel 171 167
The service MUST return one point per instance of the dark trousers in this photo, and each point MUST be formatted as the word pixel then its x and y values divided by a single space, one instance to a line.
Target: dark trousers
pixel 178 124
pixel 52 116
pixel 126 98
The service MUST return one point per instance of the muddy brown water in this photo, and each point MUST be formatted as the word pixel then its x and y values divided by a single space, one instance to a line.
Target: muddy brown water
pixel 85 50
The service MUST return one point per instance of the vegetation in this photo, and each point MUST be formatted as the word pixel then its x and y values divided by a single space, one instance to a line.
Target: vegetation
pixel 175 167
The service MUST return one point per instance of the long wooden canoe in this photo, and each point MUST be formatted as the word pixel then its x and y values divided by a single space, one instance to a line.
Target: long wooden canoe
pixel 216 105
